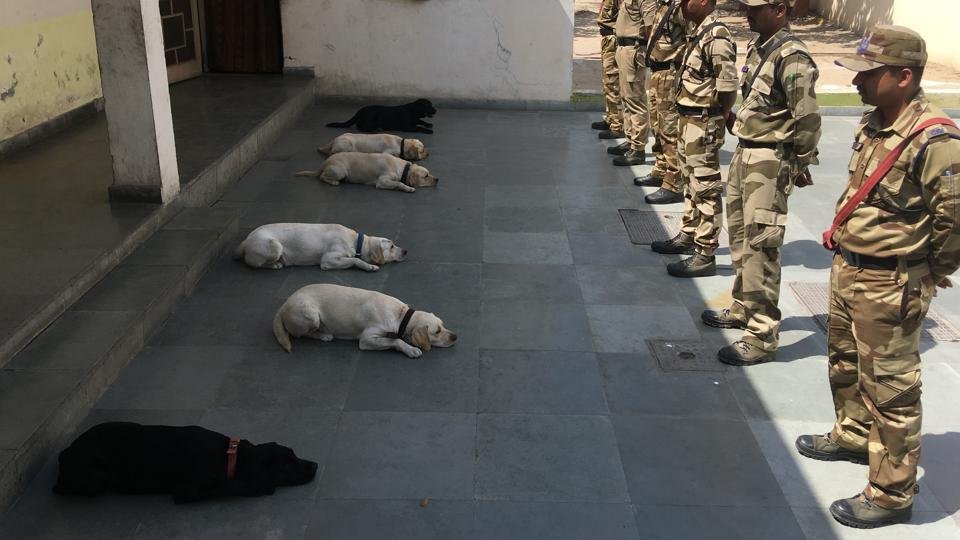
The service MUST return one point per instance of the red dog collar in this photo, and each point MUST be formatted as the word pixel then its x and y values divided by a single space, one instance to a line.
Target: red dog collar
pixel 232 447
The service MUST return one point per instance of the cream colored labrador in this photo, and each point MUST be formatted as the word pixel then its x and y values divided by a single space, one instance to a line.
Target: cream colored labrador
pixel 328 311
pixel 376 143
pixel 331 246
pixel 381 170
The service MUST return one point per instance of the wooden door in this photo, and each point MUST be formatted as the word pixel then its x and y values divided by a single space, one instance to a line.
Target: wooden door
pixel 243 36
pixel 180 22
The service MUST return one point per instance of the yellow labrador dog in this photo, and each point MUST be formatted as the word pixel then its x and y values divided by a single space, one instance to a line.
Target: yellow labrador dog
pixel 380 322
pixel 381 170
pixel 332 247
pixel 379 143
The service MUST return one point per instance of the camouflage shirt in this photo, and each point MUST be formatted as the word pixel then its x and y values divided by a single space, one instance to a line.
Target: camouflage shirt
pixel 784 110
pixel 607 16
pixel 635 18
pixel 710 67
pixel 672 39
pixel 914 211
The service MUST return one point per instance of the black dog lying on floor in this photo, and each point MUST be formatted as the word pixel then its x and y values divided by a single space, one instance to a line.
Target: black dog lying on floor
pixel 191 463
pixel 373 118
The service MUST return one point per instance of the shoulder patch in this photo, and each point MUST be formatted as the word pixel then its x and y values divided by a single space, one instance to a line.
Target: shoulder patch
pixel 936 131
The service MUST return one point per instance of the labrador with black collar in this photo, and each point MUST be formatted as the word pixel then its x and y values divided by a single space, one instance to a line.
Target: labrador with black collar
pixel 381 170
pixel 381 143
pixel 189 462
pixel 331 246
pixel 326 312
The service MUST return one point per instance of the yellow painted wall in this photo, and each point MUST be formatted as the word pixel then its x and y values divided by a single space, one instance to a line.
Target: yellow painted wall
pixel 48 66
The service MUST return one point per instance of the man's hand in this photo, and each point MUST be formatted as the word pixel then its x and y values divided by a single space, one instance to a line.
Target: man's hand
pixel 945 283
pixel 803 179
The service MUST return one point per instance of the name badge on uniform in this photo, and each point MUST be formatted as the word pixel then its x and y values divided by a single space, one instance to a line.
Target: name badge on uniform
pixel 857 146
pixel 937 131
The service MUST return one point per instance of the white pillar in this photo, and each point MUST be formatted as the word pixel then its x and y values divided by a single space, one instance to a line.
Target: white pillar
pixel 136 96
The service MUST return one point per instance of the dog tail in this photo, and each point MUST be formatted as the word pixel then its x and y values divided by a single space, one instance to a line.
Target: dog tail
pixel 280 332
pixel 238 253
pixel 348 123
pixel 307 173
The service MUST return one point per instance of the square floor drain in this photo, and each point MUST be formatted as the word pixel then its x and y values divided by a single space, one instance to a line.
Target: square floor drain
pixel 677 355
pixel 646 227
pixel 814 297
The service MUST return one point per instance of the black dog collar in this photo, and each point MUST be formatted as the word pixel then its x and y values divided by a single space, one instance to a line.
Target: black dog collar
pixel 402 141
pixel 359 246
pixel 403 325
pixel 405 173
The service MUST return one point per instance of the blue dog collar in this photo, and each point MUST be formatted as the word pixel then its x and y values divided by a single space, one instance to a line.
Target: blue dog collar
pixel 359 246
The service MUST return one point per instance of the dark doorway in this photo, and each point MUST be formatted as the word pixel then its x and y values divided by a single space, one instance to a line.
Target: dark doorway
pixel 243 36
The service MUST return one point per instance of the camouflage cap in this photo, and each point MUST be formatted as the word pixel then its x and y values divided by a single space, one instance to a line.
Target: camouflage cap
pixel 887 46
pixel 789 3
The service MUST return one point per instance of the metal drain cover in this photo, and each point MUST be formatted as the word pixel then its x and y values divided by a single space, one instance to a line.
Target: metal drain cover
pixel 815 297
pixel 677 355
pixel 646 227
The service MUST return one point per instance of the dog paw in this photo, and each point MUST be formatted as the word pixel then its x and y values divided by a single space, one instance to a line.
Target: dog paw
pixel 414 352
pixel 326 337
pixel 373 268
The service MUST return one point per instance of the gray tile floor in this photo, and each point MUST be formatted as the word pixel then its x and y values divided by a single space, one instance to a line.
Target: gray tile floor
pixel 549 418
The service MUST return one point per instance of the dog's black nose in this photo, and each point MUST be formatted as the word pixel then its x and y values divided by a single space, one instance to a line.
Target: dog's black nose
pixel 403 252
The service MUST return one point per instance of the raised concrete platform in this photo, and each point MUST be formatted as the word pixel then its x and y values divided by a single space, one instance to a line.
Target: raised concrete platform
pixel 59 233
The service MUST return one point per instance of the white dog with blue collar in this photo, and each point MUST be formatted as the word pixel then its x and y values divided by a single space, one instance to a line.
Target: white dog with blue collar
pixel 329 246
pixel 376 143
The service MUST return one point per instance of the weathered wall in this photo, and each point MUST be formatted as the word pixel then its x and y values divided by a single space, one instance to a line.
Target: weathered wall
pixel 462 49
pixel 48 61
pixel 935 20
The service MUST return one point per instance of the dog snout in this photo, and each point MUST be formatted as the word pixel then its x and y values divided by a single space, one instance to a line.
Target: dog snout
pixel 453 337
pixel 403 253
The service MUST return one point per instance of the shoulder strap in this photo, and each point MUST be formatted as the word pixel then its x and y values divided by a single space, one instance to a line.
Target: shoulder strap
pixel 875 178
pixel 696 41
pixel 774 47
pixel 652 41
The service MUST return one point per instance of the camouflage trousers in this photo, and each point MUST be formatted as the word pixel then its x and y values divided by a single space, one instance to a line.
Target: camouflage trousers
pixel 874 367
pixel 633 97
pixel 611 83
pixel 699 148
pixel 666 127
pixel 760 180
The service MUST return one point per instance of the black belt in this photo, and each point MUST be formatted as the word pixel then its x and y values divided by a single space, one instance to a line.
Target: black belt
pixel 754 144
pixel 663 66
pixel 699 111
pixel 606 31
pixel 630 41
pixel 874 263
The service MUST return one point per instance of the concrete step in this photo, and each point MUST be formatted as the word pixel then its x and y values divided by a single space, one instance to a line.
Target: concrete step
pixel 49 387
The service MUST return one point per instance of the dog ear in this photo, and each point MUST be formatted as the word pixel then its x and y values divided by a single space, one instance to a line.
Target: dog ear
pixel 376 252
pixel 421 338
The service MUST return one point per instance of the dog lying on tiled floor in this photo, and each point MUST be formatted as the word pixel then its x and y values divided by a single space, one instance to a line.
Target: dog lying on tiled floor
pixel 331 246
pixel 380 143
pixel 378 321
pixel 381 170
pixel 191 463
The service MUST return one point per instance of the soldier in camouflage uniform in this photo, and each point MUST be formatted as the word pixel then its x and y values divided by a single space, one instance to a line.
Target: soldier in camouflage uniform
pixel 899 241
pixel 778 126
pixel 663 57
pixel 612 123
pixel 706 92
pixel 632 28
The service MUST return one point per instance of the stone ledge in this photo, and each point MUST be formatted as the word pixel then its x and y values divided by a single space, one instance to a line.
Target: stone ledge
pixel 55 381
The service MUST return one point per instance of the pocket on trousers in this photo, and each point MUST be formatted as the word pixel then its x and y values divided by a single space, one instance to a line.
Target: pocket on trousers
pixel 897 385
pixel 769 227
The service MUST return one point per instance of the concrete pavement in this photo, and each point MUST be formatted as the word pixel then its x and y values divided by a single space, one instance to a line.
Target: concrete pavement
pixel 550 417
